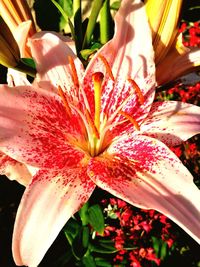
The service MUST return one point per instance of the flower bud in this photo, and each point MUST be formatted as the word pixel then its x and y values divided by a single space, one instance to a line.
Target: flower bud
pixel 15 12
pixel 163 17
pixel 9 50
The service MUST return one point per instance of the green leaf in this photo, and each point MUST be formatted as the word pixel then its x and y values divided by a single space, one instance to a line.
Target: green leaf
pixel 164 250
pixel 115 5
pixel 96 7
pixel 88 261
pixel 71 230
pixel 156 245
pixel 102 262
pixel 67 7
pixel 77 245
pixel 29 62
pixel 96 218
pixel 83 213
pixel 85 53
pixel 106 23
pixel 85 236
pixel 99 248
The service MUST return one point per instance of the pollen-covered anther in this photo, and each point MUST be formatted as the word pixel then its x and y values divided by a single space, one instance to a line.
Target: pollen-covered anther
pixel 107 66
pixel 138 90
pixel 64 100
pixel 73 71
pixel 131 119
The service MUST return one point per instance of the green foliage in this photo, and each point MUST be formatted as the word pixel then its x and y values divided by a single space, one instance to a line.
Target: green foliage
pixel 96 218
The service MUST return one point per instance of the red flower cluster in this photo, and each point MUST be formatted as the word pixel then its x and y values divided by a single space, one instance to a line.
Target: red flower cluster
pixel 132 230
pixel 191 33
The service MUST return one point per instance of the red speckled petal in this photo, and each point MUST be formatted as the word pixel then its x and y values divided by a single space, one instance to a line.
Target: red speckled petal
pixel 34 128
pixel 144 172
pixel 172 122
pixel 50 200
pixel 14 170
pixel 51 56
pixel 129 53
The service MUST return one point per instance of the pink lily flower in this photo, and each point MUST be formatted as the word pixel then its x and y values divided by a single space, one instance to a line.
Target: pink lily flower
pixel 13 169
pixel 97 127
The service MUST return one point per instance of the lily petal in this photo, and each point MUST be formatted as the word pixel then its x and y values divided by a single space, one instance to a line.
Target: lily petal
pixel 172 122
pixel 177 63
pixel 16 78
pixel 14 170
pixel 56 69
pixel 35 129
pixel 129 54
pixel 60 195
pixel 164 16
pixel 21 34
pixel 144 172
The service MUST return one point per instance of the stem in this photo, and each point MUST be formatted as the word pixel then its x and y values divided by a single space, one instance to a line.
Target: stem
pixel 96 7
pixel 78 24
pixel 105 22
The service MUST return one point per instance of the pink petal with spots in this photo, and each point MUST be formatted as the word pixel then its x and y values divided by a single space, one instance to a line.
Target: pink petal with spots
pixel 35 129
pixel 172 122
pixel 52 63
pixel 14 170
pixel 144 172
pixel 129 54
pixel 48 202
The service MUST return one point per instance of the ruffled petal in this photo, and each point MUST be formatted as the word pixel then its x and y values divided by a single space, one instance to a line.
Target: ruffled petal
pixel 172 122
pixel 48 202
pixel 35 129
pixel 14 170
pixel 129 54
pixel 144 172
pixel 52 62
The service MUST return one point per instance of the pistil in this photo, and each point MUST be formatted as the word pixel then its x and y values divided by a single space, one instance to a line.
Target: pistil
pixel 97 78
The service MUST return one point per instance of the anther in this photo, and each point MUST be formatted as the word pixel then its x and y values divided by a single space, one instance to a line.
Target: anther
pixel 73 71
pixel 64 100
pixel 107 66
pixel 131 119
pixel 138 90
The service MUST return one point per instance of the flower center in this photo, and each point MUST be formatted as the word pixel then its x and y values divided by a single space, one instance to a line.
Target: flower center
pixel 98 124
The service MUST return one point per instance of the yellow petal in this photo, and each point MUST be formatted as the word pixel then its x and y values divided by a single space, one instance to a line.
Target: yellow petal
pixel 9 50
pixel 179 61
pixel 163 17
pixel 15 12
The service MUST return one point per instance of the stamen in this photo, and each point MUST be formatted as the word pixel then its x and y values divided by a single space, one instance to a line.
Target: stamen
pixel 138 90
pixel 108 68
pixel 74 72
pixel 97 79
pixel 131 119
pixel 64 99
pixel 91 123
